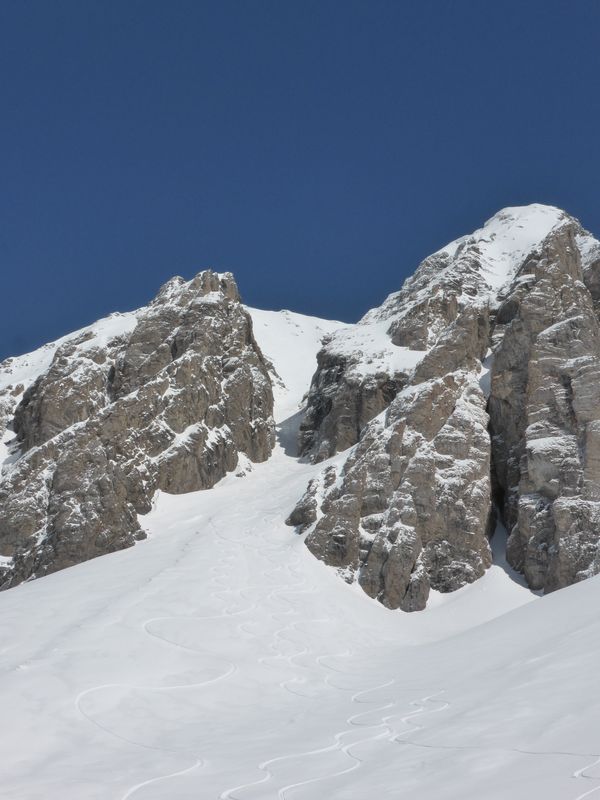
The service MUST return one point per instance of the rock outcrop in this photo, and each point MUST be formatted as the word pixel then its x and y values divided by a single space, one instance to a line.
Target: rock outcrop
pixel 411 506
pixel 545 415
pixel 169 402
pixel 341 401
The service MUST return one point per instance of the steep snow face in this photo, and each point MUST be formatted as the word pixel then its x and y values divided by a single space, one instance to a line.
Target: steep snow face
pixel 290 342
pixel 507 239
pixel 589 248
pixel 368 350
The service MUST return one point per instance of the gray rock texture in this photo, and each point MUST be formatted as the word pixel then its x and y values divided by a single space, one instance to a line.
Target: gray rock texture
pixel 168 404
pixel 498 405
pixel 545 415
pixel 341 402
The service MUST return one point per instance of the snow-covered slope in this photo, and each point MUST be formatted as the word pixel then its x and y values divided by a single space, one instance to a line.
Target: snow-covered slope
pixel 291 341
pixel 218 659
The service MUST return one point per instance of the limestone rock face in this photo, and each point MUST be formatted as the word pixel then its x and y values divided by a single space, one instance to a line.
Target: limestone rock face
pixel 341 402
pixel 411 506
pixel 168 402
pixel 493 347
pixel 545 416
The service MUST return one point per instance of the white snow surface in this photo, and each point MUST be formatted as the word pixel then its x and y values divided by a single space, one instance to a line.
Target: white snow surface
pixel 219 659
pixel 370 350
pixel 291 342
pixel 589 247
pixel 508 237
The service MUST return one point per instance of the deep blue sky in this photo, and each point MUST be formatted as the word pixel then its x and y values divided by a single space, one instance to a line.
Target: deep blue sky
pixel 318 150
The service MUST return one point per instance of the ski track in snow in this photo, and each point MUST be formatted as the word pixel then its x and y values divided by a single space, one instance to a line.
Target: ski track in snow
pixel 378 731
pixel 219 577
pixel 376 723
pixel 231 668
pixel 580 774
pixel 236 793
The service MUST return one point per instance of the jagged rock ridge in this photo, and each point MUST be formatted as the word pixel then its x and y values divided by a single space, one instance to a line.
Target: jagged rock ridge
pixel 170 401
pixel 411 507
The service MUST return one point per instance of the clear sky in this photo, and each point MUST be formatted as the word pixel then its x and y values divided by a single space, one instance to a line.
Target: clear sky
pixel 319 150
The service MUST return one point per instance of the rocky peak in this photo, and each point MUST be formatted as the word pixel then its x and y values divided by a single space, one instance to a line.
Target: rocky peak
pixel 177 290
pixel 509 312
pixel 170 401
pixel 360 371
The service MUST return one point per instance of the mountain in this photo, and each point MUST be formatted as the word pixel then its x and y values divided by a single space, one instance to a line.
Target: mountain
pixel 169 397
pixel 470 397
pixel 218 657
